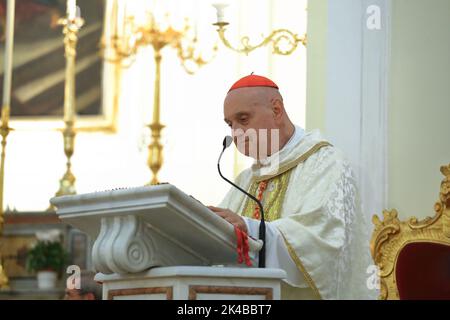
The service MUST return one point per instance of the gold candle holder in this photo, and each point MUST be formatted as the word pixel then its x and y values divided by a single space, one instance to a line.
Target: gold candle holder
pixel 70 32
pixel 158 39
pixel 151 34
pixel 276 38
pixel 122 49
pixel 4 132
pixel 4 128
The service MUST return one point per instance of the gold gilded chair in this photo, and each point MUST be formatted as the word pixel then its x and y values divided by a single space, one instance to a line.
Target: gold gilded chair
pixel 413 256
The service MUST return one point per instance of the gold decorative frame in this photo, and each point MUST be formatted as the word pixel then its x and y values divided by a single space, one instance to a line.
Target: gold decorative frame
pixel 391 235
pixel 107 121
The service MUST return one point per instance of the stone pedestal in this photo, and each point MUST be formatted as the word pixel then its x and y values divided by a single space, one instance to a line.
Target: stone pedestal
pixel 139 228
pixel 194 283
pixel 157 242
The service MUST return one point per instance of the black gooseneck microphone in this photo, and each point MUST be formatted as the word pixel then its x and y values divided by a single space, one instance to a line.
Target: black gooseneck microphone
pixel 262 226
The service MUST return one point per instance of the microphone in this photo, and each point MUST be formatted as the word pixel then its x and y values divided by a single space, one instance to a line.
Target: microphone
pixel 262 226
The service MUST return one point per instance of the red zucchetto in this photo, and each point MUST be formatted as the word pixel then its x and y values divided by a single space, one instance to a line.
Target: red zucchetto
pixel 253 81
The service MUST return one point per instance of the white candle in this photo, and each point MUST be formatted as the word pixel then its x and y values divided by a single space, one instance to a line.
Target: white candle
pixel 8 53
pixel 120 17
pixel 114 17
pixel 78 12
pixel 71 9
pixel 196 19
pixel 125 13
pixel 220 7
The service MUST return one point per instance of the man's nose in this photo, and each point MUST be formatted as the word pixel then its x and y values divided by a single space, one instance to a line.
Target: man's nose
pixel 236 133
pixel 241 139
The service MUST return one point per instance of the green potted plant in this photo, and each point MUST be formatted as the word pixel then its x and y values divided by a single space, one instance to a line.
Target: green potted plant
pixel 47 258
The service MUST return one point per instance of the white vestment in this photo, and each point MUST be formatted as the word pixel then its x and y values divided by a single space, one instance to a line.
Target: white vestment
pixel 320 236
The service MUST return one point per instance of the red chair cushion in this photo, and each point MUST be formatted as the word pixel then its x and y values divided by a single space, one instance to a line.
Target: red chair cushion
pixel 423 271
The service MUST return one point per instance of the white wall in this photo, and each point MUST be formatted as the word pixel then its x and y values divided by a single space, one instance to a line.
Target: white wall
pixel 316 66
pixel 347 80
pixel 383 96
pixel 419 105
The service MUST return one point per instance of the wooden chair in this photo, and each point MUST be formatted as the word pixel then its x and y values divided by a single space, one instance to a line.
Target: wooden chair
pixel 414 256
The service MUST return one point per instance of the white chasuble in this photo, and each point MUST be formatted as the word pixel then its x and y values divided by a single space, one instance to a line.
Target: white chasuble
pixel 316 231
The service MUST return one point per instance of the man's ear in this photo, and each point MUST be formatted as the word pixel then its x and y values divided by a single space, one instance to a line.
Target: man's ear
pixel 277 108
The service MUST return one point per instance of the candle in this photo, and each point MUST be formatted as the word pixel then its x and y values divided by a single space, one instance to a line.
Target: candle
pixel 196 11
pixel 8 55
pixel 71 9
pixel 121 17
pixel 220 7
pixel 114 17
pixel 78 12
pixel 125 12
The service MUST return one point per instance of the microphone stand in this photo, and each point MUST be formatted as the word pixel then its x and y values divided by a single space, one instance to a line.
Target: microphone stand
pixel 262 226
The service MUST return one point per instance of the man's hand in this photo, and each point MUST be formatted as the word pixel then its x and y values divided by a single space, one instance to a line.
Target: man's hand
pixel 231 217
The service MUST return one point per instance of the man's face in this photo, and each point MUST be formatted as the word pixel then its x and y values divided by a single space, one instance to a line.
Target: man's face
pixel 252 115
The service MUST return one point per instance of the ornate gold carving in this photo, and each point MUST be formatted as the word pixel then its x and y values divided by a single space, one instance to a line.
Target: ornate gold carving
pixel 277 38
pixel 385 229
pixel 444 197
pixel 391 235
pixel 194 290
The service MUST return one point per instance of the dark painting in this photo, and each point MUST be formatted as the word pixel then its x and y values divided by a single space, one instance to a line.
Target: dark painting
pixel 39 63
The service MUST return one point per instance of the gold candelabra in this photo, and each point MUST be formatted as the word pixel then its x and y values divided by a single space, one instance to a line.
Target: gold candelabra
pixel 4 128
pixel 283 41
pixel 152 34
pixel 4 132
pixel 71 26
pixel 122 49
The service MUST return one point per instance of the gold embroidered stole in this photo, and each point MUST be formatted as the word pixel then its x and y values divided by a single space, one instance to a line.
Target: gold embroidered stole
pixel 273 196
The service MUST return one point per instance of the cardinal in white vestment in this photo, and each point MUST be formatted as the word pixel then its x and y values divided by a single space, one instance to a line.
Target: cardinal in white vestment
pixel 316 231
